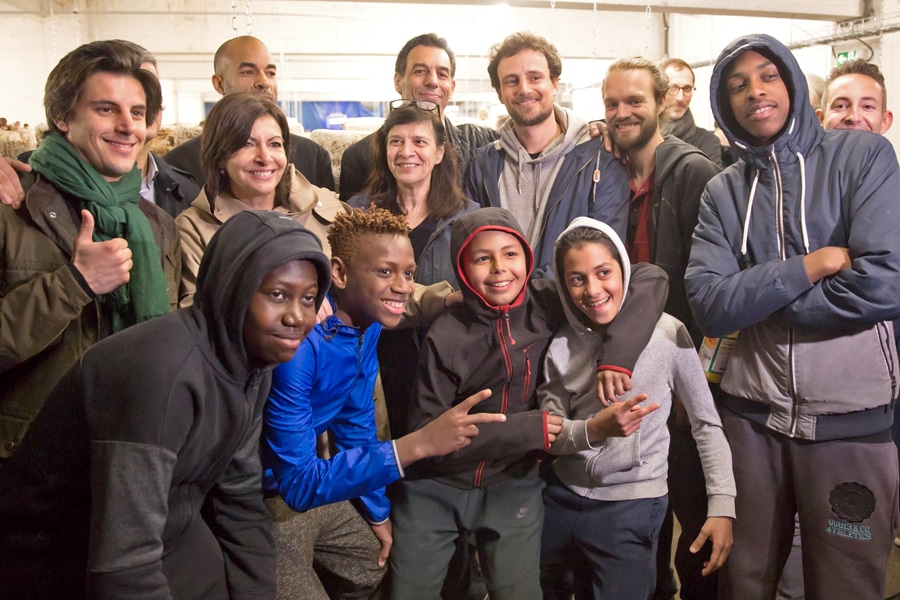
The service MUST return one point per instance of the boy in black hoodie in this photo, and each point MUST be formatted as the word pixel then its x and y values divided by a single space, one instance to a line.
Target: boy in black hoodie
pixel 495 340
pixel 158 422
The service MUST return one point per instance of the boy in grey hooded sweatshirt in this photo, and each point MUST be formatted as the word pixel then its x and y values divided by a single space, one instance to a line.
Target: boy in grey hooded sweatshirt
pixel 607 495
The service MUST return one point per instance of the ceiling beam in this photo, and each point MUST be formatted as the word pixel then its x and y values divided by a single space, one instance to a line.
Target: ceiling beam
pixel 825 10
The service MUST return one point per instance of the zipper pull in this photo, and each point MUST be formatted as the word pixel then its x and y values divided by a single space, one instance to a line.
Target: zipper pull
pixel 508 330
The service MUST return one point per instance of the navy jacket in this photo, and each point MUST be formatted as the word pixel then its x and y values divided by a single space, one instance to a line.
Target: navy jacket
pixel 759 218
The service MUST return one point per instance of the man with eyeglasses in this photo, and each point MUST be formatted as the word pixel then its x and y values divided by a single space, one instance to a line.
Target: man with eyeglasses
pixel 423 72
pixel 677 119
pixel 546 169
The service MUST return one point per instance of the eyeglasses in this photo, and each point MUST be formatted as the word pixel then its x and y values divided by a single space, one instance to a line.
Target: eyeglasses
pixel 687 90
pixel 426 105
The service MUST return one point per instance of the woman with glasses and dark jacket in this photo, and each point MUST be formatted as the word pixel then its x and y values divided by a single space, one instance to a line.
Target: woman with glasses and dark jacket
pixel 414 174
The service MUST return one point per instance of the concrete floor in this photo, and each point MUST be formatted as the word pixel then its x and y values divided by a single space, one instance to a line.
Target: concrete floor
pixel 892 587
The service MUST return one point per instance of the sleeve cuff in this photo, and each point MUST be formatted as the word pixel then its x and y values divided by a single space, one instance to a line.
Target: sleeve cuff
pixel 587 441
pixel 794 277
pixel 397 459
pixel 613 368
pixel 720 505
pixel 82 282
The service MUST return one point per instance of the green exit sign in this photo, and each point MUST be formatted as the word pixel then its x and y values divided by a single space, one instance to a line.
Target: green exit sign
pixel 843 57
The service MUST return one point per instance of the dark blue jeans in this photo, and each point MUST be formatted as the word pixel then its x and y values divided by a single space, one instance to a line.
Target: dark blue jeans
pixel 614 542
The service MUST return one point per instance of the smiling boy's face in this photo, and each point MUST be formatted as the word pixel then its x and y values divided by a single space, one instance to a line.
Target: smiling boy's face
pixel 496 266
pixel 593 279
pixel 758 97
pixel 376 284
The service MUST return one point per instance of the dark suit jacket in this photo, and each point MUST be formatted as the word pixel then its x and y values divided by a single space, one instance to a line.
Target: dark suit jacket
pixel 173 189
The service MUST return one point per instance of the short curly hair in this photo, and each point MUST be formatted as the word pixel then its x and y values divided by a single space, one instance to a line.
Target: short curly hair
pixel 347 234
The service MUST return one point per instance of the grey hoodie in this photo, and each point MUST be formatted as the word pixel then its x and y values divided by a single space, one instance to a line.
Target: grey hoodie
pixel 635 466
pixel 526 182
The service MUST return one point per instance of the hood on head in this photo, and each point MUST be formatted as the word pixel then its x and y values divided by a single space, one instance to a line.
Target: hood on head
pixel 802 124
pixel 574 315
pixel 239 255
pixel 466 227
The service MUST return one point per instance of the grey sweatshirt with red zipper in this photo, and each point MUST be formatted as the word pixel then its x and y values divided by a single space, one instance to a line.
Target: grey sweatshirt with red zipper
pixel 477 346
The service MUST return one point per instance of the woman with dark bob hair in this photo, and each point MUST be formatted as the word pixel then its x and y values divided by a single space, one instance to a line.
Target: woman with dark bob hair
pixel 244 152
pixel 414 174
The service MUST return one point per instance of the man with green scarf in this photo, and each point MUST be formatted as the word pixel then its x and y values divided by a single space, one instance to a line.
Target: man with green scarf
pixel 85 256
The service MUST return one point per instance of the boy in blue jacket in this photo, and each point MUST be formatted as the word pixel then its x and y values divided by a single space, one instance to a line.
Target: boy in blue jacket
pixel 328 386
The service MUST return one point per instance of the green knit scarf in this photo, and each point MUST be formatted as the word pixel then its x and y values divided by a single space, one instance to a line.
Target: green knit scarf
pixel 117 214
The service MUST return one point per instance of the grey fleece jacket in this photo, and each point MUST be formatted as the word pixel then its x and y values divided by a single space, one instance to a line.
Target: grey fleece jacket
pixel 635 466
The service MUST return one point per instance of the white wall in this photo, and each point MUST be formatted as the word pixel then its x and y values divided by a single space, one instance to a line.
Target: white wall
pixel 331 50
pixel 698 39
pixel 346 50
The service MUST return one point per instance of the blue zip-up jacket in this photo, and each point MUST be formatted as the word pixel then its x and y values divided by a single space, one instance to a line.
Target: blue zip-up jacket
pixel 328 386
pixel 590 183
pixel 810 188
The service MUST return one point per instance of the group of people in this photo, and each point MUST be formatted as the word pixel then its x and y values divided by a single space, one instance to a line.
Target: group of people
pixel 219 380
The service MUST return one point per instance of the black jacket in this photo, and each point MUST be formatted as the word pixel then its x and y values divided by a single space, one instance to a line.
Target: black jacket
pixel 173 189
pixel 682 172
pixel 308 157
pixel 356 160
pixel 154 424
pixel 479 346
pixel 687 130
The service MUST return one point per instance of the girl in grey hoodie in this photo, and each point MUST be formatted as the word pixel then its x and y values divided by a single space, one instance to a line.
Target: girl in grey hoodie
pixel 607 495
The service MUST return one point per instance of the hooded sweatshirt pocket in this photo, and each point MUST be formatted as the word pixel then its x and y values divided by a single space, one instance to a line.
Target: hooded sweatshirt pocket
pixel 616 455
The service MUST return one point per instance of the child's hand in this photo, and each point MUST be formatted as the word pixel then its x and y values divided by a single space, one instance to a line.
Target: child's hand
pixel 449 432
pixel 554 426
pixel 611 385
pixel 384 533
pixel 453 299
pixel 717 529
pixel 619 420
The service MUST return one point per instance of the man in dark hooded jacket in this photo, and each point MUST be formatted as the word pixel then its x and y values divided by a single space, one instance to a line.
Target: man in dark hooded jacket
pixel 797 250
pixel 667 176
pixel 141 476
